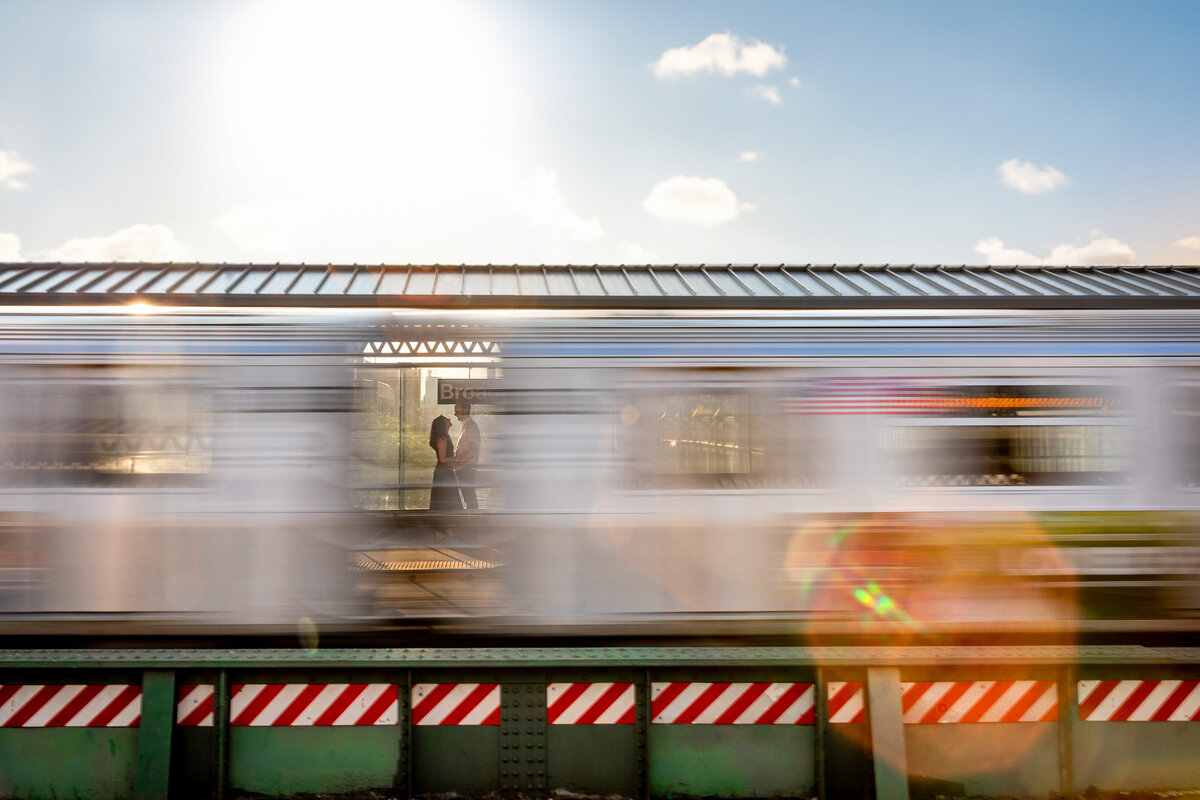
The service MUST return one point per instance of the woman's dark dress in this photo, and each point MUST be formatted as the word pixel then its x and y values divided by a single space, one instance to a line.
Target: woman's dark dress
pixel 444 495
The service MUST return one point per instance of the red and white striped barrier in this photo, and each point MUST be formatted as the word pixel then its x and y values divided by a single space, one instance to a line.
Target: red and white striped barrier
pixel 72 706
pixel 456 704
pixel 925 702
pixel 194 708
pixel 732 703
pixel 1139 701
pixel 589 704
pixel 263 705
pixel 845 702
pixel 979 701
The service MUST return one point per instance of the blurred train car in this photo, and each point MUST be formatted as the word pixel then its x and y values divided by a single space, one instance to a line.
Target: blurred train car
pixel 171 472
pixel 719 466
pixel 829 473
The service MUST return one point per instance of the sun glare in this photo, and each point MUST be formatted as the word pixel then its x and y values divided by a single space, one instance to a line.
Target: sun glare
pixel 384 109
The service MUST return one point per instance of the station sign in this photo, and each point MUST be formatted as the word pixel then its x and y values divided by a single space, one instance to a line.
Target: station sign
pixel 467 390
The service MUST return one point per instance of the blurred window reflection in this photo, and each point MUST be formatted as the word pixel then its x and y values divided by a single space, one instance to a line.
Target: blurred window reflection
pixel 709 433
pixel 1009 455
pixel 1183 419
pixel 81 430
pixel 736 433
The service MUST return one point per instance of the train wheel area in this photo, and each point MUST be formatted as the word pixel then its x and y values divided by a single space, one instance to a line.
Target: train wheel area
pixel 637 722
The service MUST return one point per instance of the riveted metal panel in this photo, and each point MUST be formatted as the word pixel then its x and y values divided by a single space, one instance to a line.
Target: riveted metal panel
pixel 274 760
pixel 523 738
pixel 732 760
pixel 596 753
pixel 656 657
pixel 1135 755
pixel 950 745
pixel 83 762
pixel 455 758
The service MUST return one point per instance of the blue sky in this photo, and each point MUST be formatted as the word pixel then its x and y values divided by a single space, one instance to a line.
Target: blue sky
pixel 540 132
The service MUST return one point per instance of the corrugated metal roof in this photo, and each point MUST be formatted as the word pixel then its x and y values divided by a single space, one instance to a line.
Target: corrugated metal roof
pixel 568 286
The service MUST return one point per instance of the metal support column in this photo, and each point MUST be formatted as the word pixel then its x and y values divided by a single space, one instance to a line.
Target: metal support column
pixel 221 747
pixel 523 731
pixel 887 733
pixel 401 494
pixel 642 721
pixel 406 732
pixel 154 735
pixel 820 729
pixel 1068 714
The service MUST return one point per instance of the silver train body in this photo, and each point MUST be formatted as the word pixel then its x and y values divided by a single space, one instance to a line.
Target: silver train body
pixel 694 473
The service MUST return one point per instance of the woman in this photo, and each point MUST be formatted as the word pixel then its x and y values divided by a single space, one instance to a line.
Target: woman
pixel 444 495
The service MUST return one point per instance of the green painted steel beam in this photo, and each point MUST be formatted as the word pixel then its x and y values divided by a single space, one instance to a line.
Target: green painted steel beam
pixel 154 735
pixel 526 657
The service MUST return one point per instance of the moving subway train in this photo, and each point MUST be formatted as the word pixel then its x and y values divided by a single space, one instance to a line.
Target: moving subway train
pixel 672 471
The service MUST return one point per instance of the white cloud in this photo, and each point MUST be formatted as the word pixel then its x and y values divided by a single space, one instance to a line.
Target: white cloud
pixel 10 247
pixel 150 243
pixel 548 208
pixel 722 53
pixel 997 253
pixel 12 165
pixel 695 201
pixel 1190 242
pixel 748 155
pixel 632 253
pixel 1095 253
pixel 1098 252
pixel 794 82
pixel 768 93
pixel 1028 178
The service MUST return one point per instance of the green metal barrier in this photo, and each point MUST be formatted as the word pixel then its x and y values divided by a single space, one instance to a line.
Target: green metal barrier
pixel 634 722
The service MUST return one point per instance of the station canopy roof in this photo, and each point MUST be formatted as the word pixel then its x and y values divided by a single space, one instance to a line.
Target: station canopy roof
pixel 692 286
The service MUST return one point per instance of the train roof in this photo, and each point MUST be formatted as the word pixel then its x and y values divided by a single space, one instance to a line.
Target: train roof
pixel 674 286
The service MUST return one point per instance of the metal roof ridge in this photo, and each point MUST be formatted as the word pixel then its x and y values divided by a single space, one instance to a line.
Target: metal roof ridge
pixel 615 266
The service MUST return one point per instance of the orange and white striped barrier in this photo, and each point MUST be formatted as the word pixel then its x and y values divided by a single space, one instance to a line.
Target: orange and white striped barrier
pixel 1139 701
pixel 925 702
pixel 694 703
pixel 70 706
pixel 456 704
pixel 590 704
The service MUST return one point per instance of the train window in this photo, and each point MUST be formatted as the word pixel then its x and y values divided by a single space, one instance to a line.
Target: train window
pixel 1010 455
pixel 88 432
pixel 990 401
pixel 735 434
pixel 701 433
pixel 1043 438
pixel 1183 407
pixel 727 429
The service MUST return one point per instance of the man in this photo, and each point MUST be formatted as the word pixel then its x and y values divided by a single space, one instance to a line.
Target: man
pixel 466 455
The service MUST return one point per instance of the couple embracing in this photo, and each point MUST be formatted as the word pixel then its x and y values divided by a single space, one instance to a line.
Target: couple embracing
pixel 454 475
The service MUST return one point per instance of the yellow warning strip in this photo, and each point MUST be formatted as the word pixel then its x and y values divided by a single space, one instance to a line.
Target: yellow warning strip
pixel 363 564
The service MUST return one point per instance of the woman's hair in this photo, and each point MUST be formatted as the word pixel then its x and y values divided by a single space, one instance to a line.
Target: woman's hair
pixel 440 429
